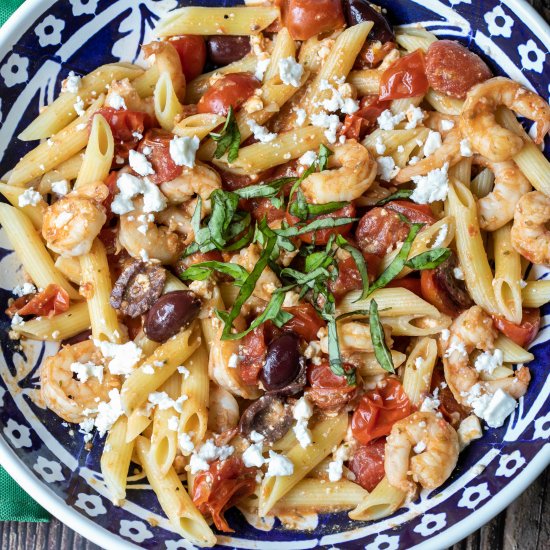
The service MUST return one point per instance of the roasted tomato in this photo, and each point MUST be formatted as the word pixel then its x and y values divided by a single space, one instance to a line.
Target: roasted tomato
pixel 367 463
pixel 264 208
pixel 192 52
pixel 348 275
pixel 416 213
pixel 524 333
pixel 328 390
pixel 357 124
pixel 379 230
pixel 405 78
pixel 51 301
pixel 306 321
pixel 449 407
pixel 443 290
pixel 378 411
pixel 232 90
pixel 307 18
pixel 410 283
pixel 158 141
pixel 322 236
pixel 217 489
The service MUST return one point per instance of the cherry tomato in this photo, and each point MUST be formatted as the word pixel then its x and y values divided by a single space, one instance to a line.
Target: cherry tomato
pixel 373 53
pixel 524 333
pixel 306 321
pixel 51 301
pixel 158 141
pixel 328 390
pixel 264 208
pixel 322 236
pixel 357 124
pixel 378 411
pixel 217 489
pixel 307 18
pixel 348 275
pixel 367 463
pixel 410 283
pixel 232 90
pixel 192 52
pixel 405 78
pixel 416 213
pixel 432 293
pixel 449 407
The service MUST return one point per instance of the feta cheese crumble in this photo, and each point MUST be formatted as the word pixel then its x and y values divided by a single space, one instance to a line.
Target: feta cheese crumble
pixel 261 133
pixel 124 357
pixel 414 115
pixel 494 409
pixel 60 187
pixel 458 273
pixel 183 150
pixel 336 466
pixel 290 71
pixel 441 236
pixel 79 106
pixel 29 197
pixel 387 170
pixel 447 125
pixel 186 444
pixel 308 158
pixel 84 371
pixel 253 457
pixel 129 187
pixel 488 362
pixel 261 68
pixel 24 289
pixel 432 187
pixel 200 460
pixel 279 465
pixel 466 148
pixel 301 116
pixel 330 122
pixel 468 431
pixel 388 121
pixel 302 413
pixel 379 146
pixel 139 163
pixel 431 403
pixel 433 143
pixel 71 84
pixel 116 101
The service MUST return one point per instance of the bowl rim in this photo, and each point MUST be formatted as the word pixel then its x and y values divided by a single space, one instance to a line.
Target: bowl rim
pixel 10 32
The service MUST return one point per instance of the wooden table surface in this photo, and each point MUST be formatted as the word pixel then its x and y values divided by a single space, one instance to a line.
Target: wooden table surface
pixel 524 525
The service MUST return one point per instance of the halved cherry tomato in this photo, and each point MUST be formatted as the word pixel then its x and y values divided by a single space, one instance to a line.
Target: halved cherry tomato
pixel 378 411
pixel 416 213
pixel 524 333
pixel 322 236
pixel 192 52
pixel 367 463
pixel 253 351
pixel 410 283
pixel 405 78
pixel 372 54
pixel 348 275
pixel 53 300
pixel 432 293
pixel 449 407
pixel 307 18
pixel 379 230
pixel 306 321
pixel 232 90
pixel 357 124
pixel 217 489
pixel 328 390
pixel 158 141
pixel 264 208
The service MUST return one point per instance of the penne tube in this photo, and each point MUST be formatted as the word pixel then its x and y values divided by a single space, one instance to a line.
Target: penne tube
pixel 382 502
pixel 68 170
pixel 33 212
pixel 536 293
pixel 368 365
pixel 70 268
pixel 407 325
pixel 366 81
pixel 138 421
pixel 173 283
pixel 166 102
pixel 145 84
pixel 392 139
pixel 283 47
pixel 512 353
pixel 198 125
pixel 412 39
pixel 462 171
pixel 483 183
pixel 402 105
pixel 443 103
pixel 418 370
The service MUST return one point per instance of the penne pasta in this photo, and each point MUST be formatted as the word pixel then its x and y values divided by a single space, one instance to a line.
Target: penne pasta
pixel 412 39
pixel 418 370
pixel 512 353
pixel 167 105
pixel 198 125
pixel 535 293
pixel 382 502
pixel 33 212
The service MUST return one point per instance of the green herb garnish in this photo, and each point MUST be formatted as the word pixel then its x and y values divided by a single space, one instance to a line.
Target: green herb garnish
pixel 229 139
pixel 401 194
pixel 381 351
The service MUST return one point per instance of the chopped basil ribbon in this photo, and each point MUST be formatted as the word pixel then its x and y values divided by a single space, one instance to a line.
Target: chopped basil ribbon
pixel 381 351
pixel 303 210
pixel 324 154
pixel 229 139
pixel 203 270
pixel 429 259
pixel 335 361
pixel 267 190
pixel 359 260
pixel 401 194
pixel 315 225
pixel 398 263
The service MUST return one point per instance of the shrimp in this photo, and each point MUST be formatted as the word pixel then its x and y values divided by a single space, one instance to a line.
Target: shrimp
pixel 223 410
pixel 71 224
pixel 435 443
pixel 438 122
pixel 178 220
pixel 144 239
pixel 355 171
pixel 472 330
pixel 66 395
pixel 478 117
pixel 497 208
pixel 355 336
pixel 167 60
pixel 132 100
pixel 448 153
pixel 530 236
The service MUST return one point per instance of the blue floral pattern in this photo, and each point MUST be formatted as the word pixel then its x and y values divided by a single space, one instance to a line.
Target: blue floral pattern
pixel 79 35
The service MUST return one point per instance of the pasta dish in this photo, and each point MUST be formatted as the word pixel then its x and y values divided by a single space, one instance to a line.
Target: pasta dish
pixel 287 261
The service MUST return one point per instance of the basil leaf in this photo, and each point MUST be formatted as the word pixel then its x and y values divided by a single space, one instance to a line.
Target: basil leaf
pixel 324 154
pixel 224 206
pixel 267 190
pixel 229 139
pixel 318 259
pixel 196 218
pixel 401 194
pixel 304 278
pixel 327 208
pixel 381 351
pixel 306 174
pixel 362 312
pixel 359 260
pixel 202 270
pixel 429 259
pixel 323 223
pixel 394 269
pixel 335 361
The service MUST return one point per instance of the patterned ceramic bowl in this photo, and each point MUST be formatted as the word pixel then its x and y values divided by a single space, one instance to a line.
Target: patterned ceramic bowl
pixel 38 47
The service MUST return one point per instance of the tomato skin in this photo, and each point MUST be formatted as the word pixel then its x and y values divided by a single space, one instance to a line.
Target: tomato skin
pixel 217 489
pixel 232 90
pixel 307 18
pixel 433 294
pixel 53 300
pixel 306 321
pixel 379 230
pixel 405 78
pixel 254 349
pixel 416 213
pixel 348 275
pixel 378 410
pixel 322 236
pixel 260 208
pixel 524 333
pixel 192 52
pixel 410 283
pixel 328 390
pixel 449 407
pixel 367 463
pixel 159 142
pixel 356 125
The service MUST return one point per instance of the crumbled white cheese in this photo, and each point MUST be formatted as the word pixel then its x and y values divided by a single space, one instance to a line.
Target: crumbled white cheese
pixel 300 117
pixel 387 170
pixel 233 361
pixel 261 133
pixel 431 403
pixel 465 148
pixel 17 320
pixel 522 283
pixel 388 121
pixel 164 402
pixel 414 160
pixel 24 289
pixel 60 187
pixel 432 187
pixel 488 362
pixel 313 352
pixel 447 125
pixel 184 371
pixel 256 437
pixel 279 465
pixel 308 158
pixel 129 187
pixel 494 409
pixel 420 447
pixel 336 466
pixel 458 347
pixel 84 371
pixel 208 452
pixel 468 431
pixel 340 99
pixel 290 71
pixel 400 149
pixel 330 122
pixel 379 146
pixel 71 84
pixel 29 197
pixel 173 423
pixel 302 413
pixel 137 135
pixel 441 236
pixel 116 101
pixel 445 334
pixel 139 163
pixel 185 443
pixel 148 369
pixel 79 106
pixel 253 457
pixel 458 273
pixel 124 357
pixel 183 150
pixel 433 143
pixel 108 412
pixel 414 116
pixel 261 68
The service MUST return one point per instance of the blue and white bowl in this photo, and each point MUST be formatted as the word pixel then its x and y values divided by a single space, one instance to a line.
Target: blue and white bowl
pixel 45 40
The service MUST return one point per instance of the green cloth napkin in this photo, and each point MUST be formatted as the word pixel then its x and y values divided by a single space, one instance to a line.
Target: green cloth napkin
pixel 15 504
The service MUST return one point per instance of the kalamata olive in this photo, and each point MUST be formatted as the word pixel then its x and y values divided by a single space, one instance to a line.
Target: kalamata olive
pixel 223 50
pixel 269 416
pixel 170 313
pixel 358 11
pixel 283 363
pixel 77 338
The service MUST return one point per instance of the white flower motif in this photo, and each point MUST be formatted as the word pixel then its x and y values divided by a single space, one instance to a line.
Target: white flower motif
pixel 498 23
pixel 2 390
pixel 91 504
pixel 135 530
pixel 384 542
pixel 19 435
pixel 431 523
pixel 472 496
pixel 177 544
pixel 542 427
pixel 49 470
pixel 49 31
pixel 83 7
pixel 456 2
pixel 14 70
pixel 532 57
pixel 508 465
